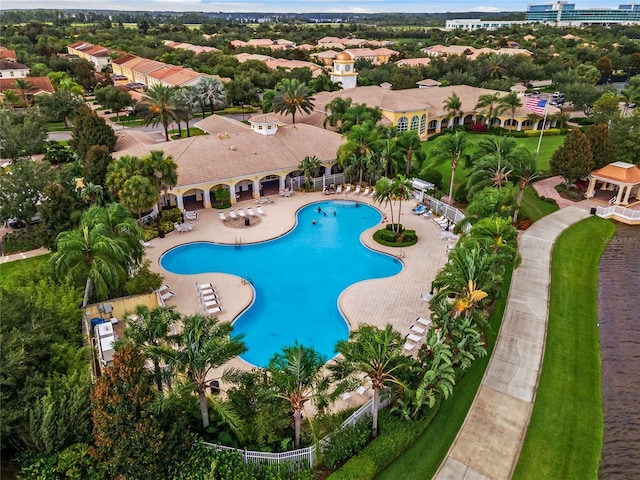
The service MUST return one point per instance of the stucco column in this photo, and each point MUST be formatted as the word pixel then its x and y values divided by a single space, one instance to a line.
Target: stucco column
pixel 256 189
pixel 327 170
pixel 206 198
pixel 592 185
pixel 179 201
pixel 619 196
pixel 282 182
pixel 519 127
pixel 603 186
pixel 638 193
pixel 626 196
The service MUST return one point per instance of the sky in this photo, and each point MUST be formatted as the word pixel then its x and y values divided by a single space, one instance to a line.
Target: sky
pixel 297 6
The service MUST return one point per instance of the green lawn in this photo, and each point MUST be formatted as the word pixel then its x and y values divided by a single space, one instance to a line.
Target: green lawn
pixel 564 439
pixel 422 460
pixel 9 270
pixel 534 208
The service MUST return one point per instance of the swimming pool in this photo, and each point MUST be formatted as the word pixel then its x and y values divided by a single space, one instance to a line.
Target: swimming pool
pixel 297 277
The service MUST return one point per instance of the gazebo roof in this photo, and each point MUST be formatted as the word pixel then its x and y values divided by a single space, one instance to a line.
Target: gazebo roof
pixel 619 172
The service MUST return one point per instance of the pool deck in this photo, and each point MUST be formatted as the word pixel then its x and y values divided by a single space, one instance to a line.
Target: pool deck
pixel 396 300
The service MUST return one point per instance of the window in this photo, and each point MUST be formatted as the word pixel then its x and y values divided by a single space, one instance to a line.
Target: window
pixel 403 123
pixel 423 123
pixel 415 121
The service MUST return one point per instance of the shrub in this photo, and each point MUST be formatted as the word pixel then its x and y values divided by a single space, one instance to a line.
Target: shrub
pixel 346 442
pixel 22 240
pixel 389 226
pixel 433 176
pixel 547 133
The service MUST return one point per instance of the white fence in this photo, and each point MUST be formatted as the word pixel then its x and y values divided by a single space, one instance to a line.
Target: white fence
pixel 304 457
pixel 626 215
pixel 440 208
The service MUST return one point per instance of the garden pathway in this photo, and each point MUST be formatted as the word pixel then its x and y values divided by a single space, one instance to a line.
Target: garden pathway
pixel 488 444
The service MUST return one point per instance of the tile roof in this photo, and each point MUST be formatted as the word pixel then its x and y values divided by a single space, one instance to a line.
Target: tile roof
pixel 42 84
pixel 238 153
pixel 622 172
pixel 414 62
pixel 5 65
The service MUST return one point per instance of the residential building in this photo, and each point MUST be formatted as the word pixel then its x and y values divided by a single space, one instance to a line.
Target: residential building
pixel 470 52
pixel 565 14
pixel 13 69
pixel 477 24
pixel 414 62
pixel 197 49
pixel 96 54
pixel 8 55
pixel 42 86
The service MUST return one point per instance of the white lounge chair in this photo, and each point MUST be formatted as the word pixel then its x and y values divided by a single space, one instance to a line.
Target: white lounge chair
pixel 191 215
pixel 260 210
pixel 166 296
pixel 366 191
pixel 251 212
pixel 208 298
pixel 362 390
pixel 414 338
pixel 357 190
pixel 210 303
pixel 223 217
pixel 347 189
pixel 339 189
pixel 409 346
pixel 241 213
pixel 188 227
pixel 418 329
pixel 145 244
pixel 424 321
pixel 232 215
pixel 345 396
pixel 211 311
pixel 163 288
pixel 204 286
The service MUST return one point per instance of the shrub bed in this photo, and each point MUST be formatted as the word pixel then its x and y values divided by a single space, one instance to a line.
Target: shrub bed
pixel 389 238
pixel 547 133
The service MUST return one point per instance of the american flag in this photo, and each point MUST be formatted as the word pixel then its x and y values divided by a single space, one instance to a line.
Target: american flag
pixel 536 105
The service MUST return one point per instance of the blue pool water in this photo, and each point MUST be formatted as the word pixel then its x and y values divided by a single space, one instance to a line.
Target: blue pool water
pixel 297 277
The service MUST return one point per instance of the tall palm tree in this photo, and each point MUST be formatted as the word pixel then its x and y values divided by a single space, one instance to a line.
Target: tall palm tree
pixel 25 87
pixel 489 104
pixel 388 138
pixel 308 165
pixel 525 170
pixel 383 193
pixel 489 171
pixel 159 106
pixel 453 106
pixel 138 195
pixel 401 190
pixel 410 146
pixel 120 170
pixel 292 96
pixel 452 147
pixel 204 344
pixel 151 329
pixel 211 92
pixel 376 353
pixel 494 64
pixel 337 108
pixel 359 114
pixel 297 375
pixel 11 99
pixel 489 201
pixel 511 102
pixel 161 170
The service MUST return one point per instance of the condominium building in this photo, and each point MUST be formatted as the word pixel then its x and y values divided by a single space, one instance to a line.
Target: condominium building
pixel 565 14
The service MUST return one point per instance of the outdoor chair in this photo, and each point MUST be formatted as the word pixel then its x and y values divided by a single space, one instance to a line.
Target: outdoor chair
pixel 251 212
pixel 232 215
pixel 241 213
pixel 260 210
pixel 223 217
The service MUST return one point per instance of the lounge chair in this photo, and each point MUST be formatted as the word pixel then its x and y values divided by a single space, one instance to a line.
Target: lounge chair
pixel 362 390
pixel 418 329
pixel 423 321
pixel 223 217
pixel 241 213
pixel 414 338
pixel 419 210
pixel 163 288
pixel 204 286
pixel 357 190
pixel 339 189
pixel 409 346
pixel 210 303
pixel 191 215
pixel 145 244
pixel 188 227
pixel 251 212
pixel 211 311
pixel 347 189
pixel 260 210
pixel 180 227
pixel 166 296
pixel 345 396
pixel 208 298
pixel 232 215
pixel 366 191
pixel 373 191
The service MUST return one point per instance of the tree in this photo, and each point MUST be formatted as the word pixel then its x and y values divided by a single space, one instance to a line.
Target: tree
pixel 605 108
pixel 524 168
pixel 401 190
pixel 150 329
pixel 308 165
pixel 161 171
pixel 496 234
pixel 451 147
pixel 511 102
pixel 56 209
pixel 337 108
pixel 159 106
pixel 574 159
pixel 297 375
pixel 138 195
pixel 90 130
pixel 489 171
pixel 361 139
pixel 292 97
pixel 584 95
pixel 490 105
pixel 629 95
pixel 410 146
pixel 376 353
pixel 204 344
pixel 134 440
pixel 358 115
pixel 60 105
pixel 601 146
pixel 624 137
pixel 25 88
pixel 21 189
pixel 453 106
pixel 21 133
pixel 113 98
pixel 210 92
pixel 95 165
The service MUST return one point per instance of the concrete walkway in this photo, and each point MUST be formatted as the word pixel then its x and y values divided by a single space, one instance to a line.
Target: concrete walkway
pixel 488 444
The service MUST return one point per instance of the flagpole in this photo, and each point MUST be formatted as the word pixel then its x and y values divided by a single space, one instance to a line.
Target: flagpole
pixel 544 122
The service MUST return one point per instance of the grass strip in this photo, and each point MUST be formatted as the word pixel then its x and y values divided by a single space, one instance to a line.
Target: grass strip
pixel 564 438
pixel 425 456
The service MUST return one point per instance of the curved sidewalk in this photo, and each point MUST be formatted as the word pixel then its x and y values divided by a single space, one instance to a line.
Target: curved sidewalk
pixel 489 442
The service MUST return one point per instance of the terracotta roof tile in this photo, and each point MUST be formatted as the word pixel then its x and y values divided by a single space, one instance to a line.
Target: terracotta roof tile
pixel 620 171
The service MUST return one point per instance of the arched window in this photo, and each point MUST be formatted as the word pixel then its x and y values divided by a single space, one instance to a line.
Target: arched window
pixel 403 123
pixel 415 121
pixel 423 123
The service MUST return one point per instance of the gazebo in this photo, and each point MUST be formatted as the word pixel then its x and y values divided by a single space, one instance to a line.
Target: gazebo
pixel 622 177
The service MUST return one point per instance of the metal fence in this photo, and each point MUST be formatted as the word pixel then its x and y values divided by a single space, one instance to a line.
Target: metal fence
pixel 304 457
pixel 617 211
pixel 440 208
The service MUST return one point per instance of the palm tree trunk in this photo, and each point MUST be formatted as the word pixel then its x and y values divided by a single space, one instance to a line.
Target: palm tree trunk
pixel 166 132
pixel 180 128
pixel 158 374
pixel 453 178
pixel 87 292
pixel 374 413
pixel 204 408
pixel 297 420
pixel 518 202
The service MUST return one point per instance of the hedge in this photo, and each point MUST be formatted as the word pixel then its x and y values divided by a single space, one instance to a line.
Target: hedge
pixel 547 133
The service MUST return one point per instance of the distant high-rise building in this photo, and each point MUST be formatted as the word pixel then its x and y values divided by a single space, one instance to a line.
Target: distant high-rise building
pixel 565 14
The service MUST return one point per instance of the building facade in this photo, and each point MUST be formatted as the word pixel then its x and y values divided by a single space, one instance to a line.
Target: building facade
pixel 565 14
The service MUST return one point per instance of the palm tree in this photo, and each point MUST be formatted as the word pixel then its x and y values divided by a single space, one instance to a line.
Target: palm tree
pixel 338 107
pixel 494 64
pixel 204 344
pixel 92 194
pixel 453 105
pixel 525 170
pixel 11 98
pixel 89 255
pixel 490 105
pixel 359 114
pixel 452 147
pixel 119 171
pixel 411 147
pixel 291 97
pixel 489 201
pixel 511 102
pixel 186 104
pixel 629 95
pixel 401 189
pixel 297 376
pixel 25 88
pixel 138 195
pixel 161 171
pixel 308 165
pixel 382 193
pixel 490 171
pixel 388 151
pixel 376 353
pixel 151 329
pixel 495 234
pixel 211 93
pixel 160 106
